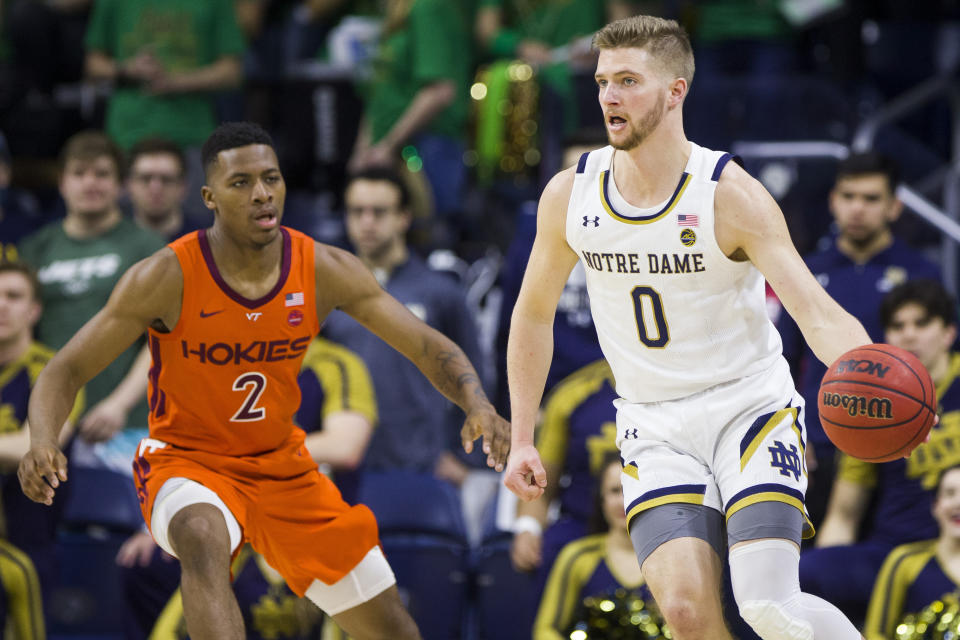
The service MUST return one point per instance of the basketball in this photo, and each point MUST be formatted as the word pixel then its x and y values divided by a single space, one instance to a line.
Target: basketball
pixel 877 402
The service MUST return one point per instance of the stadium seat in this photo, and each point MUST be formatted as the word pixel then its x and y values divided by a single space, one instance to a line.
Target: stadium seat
pixel 100 497
pixel 102 511
pixel 85 601
pixel 505 601
pixel 424 539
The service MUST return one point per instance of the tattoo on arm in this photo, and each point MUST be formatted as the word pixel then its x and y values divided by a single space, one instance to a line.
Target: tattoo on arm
pixel 459 377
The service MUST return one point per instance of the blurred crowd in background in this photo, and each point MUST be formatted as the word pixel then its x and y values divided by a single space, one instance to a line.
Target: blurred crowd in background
pixel 419 134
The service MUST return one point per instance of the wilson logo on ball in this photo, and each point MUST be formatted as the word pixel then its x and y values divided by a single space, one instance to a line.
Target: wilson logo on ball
pixel 877 402
pixel 862 366
pixel 854 405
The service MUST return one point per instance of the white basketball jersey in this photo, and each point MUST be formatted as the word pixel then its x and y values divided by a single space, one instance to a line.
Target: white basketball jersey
pixel 674 315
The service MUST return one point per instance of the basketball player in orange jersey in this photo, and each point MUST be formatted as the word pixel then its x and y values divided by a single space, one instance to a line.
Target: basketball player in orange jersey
pixel 230 311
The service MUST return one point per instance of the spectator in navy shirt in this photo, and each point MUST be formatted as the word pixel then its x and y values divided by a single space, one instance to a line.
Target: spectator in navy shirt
pixel 857 266
pixel 921 317
pixel 416 430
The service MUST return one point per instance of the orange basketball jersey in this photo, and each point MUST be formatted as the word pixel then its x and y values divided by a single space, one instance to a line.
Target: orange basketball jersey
pixel 224 379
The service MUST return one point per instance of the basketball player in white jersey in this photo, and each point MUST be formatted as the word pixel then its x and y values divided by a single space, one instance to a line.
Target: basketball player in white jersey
pixel 676 242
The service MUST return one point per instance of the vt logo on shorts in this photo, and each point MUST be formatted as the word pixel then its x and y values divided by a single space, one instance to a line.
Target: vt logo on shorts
pixel 787 460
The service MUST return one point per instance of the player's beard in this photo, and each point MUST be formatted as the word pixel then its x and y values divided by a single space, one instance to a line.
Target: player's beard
pixel 647 124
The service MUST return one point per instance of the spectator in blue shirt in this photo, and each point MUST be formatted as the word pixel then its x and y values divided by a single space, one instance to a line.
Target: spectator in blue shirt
pixel 417 432
pixel 921 317
pixel 857 266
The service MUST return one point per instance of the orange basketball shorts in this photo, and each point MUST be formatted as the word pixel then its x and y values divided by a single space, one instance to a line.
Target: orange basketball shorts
pixel 287 509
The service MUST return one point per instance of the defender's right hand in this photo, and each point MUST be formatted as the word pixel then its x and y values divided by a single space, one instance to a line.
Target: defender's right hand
pixel 525 475
pixel 41 471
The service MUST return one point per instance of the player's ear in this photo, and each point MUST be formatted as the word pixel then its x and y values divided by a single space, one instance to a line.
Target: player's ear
pixel 208 200
pixel 678 91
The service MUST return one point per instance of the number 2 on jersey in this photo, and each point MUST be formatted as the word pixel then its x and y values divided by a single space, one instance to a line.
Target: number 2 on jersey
pixel 662 335
pixel 254 383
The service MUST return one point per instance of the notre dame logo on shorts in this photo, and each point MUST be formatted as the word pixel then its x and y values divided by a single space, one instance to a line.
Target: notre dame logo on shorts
pixel 787 460
pixel 688 237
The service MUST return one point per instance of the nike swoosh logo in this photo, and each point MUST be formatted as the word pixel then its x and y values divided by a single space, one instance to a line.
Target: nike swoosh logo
pixel 212 313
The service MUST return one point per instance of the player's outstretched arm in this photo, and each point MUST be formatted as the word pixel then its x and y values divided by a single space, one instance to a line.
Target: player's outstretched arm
pixel 750 225
pixel 530 344
pixel 349 286
pixel 148 292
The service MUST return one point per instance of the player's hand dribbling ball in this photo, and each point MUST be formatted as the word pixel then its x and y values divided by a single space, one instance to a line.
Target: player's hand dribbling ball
pixel 877 403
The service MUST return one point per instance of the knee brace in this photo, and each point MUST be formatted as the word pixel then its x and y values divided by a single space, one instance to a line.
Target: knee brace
pixel 775 621
pixel 766 586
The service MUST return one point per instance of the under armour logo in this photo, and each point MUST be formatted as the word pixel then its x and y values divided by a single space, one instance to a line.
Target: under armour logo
pixel 787 460
pixel 587 221
pixel 630 434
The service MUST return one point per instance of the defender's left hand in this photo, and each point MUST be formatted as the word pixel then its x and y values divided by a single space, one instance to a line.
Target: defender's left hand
pixel 496 435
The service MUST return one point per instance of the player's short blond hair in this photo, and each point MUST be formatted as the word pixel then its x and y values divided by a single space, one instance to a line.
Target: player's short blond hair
pixel 665 40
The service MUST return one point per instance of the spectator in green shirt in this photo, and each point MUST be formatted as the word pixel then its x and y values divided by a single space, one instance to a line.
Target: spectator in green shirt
pixel 417 103
pixel 78 261
pixel 553 37
pixel 742 37
pixel 165 57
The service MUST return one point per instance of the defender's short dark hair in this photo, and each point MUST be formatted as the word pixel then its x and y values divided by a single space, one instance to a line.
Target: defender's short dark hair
pixel 924 292
pixel 15 266
pixel 383 174
pixel 154 146
pixel 232 135
pixel 870 162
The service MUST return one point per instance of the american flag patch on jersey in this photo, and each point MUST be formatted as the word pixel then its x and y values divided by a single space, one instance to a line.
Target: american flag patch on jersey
pixel 687 220
pixel 294 299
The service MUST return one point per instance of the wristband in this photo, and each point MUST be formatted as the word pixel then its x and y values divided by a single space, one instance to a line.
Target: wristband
pixel 527 524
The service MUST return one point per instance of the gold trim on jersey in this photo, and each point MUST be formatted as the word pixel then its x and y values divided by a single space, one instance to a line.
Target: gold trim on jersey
pixel 773 496
pixel 803 449
pixel 774 420
pixel 671 203
pixel 672 498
